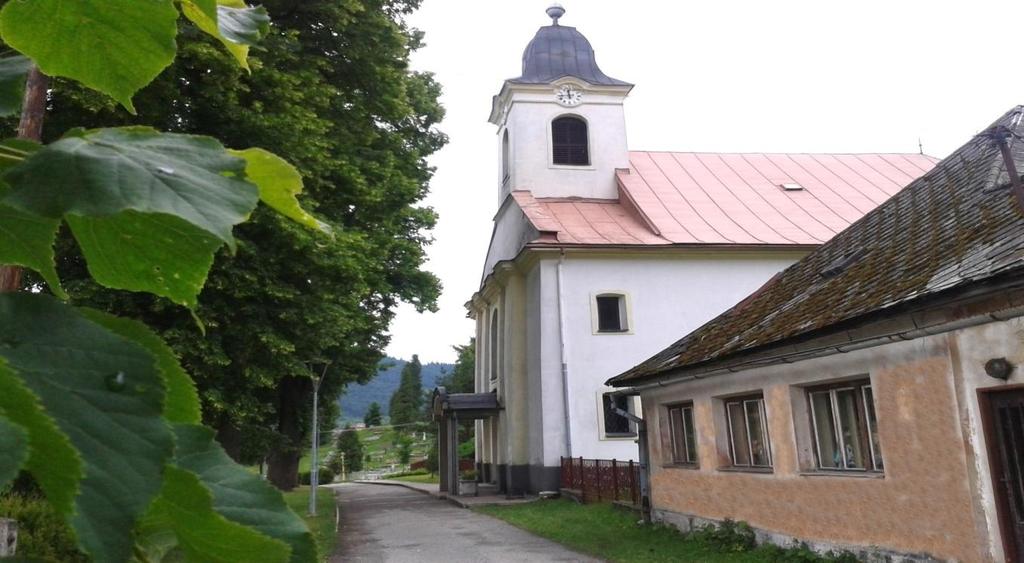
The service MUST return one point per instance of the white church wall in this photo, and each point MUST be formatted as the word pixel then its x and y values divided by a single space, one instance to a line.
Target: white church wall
pixel 529 121
pixel 670 296
pixel 511 232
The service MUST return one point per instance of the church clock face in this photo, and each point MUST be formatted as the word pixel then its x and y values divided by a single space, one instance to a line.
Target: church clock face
pixel 569 95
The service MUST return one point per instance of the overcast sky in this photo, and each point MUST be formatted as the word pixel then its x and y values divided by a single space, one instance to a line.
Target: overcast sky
pixel 717 75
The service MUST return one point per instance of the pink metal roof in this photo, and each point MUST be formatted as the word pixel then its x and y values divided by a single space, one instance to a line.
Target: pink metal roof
pixel 715 198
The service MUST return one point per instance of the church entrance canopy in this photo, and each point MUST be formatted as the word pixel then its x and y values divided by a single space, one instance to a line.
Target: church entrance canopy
pixel 449 409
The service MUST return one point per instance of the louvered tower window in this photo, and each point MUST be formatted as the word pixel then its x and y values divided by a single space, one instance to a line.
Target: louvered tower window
pixel 569 140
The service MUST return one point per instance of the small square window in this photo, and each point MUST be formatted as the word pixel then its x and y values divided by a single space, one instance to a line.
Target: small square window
pixel 748 432
pixel 844 427
pixel 611 313
pixel 683 434
pixel 616 425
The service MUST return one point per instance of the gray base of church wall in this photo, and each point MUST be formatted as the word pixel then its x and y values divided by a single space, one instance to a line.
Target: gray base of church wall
pixel 545 478
pixel 873 554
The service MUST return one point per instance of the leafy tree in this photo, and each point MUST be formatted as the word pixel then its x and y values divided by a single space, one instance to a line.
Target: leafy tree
pixel 461 378
pixel 373 416
pixel 330 91
pixel 404 449
pixel 92 403
pixel 408 398
pixel 349 444
pixel 432 456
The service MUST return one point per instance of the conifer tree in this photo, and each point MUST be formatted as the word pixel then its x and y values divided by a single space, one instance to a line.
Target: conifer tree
pixel 408 398
pixel 373 415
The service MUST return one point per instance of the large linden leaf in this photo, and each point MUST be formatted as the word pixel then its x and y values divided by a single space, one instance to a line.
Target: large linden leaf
pixel 182 403
pixel 115 46
pixel 52 460
pixel 279 184
pixel 26 240
pixel 185 508
pixel 106 171
pixel 240 495
pixel 106 395
pixel 234 24
pixel 152 252
pixel 14 445
pixel 13 72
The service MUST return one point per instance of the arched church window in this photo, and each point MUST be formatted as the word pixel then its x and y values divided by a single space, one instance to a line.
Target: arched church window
pixel 493 345
pixel 569 141
pixel 504 159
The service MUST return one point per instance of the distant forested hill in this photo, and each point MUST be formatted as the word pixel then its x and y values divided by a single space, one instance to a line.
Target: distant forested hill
pixel 357 398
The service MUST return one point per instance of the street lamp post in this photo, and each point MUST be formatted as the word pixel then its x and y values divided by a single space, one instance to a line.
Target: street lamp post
pixel 314 467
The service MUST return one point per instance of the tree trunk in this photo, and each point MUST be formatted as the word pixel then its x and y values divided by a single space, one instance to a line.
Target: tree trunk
pixel 230 438
pixel 33 110
pixel 283 461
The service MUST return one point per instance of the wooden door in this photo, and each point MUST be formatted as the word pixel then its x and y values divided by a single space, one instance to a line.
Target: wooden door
pixel 1006 449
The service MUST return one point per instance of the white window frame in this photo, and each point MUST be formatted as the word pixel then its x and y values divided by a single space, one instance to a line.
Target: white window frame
pixel 743 401
pixel 860 387
pixel 635 408
pixel 681 460
pixel 625 312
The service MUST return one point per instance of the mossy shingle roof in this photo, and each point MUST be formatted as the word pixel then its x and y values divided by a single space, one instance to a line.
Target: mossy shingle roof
pixel 956 225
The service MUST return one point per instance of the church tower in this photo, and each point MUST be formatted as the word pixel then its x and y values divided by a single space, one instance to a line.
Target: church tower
pixel 561 127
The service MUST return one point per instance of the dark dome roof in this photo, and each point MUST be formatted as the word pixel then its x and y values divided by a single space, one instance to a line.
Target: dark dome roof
pixel 557 51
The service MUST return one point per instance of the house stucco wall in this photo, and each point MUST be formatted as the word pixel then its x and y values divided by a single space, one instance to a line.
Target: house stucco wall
pixel 935 496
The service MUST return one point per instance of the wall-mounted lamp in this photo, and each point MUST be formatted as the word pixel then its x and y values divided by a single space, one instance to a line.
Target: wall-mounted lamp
pixel 999 368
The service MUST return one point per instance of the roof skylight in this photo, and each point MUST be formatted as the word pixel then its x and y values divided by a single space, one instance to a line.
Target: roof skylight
pixel 791 187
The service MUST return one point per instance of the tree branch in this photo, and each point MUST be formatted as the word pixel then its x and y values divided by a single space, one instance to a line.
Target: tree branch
pixel 33 110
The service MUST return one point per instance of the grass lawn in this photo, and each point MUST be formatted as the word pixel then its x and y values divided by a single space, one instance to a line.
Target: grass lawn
pixel 419 478
pixel 612 534
pixel 322 525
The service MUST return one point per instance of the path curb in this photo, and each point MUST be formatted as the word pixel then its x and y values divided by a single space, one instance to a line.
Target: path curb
pixel 411 487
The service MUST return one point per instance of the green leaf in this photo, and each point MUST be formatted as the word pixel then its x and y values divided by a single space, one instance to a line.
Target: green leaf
pixel 115 46
pixel 152 252
pixel 240 495
pixel 106 396
pixel 233 23
pixel 14 152
pixel 26 240
pixel 242 24
pixel 185 507
pixel 279 184
pixel 14 445
pixel 106 171
pixel 13 72
pixel 52 460
pixel 182 403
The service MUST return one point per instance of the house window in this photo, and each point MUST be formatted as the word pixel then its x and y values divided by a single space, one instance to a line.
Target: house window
pixel 748 432
pixel 569 141
pixel 493 345
pixel 616 425
pixel 845 430
pixel 683 434
pixel 612 313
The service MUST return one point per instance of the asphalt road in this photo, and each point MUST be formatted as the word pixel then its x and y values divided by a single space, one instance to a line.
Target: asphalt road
pixel 381 523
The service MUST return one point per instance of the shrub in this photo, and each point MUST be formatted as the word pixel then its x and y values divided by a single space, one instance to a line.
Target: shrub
pixel 303 477
pixel 728 536
pixel 42 533
pixel 326 476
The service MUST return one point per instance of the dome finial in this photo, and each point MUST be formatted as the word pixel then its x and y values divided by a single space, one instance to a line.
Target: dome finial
pixel 554 12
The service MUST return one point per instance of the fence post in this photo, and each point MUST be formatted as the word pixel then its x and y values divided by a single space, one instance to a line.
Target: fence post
pixel 615 480
pixel 632 484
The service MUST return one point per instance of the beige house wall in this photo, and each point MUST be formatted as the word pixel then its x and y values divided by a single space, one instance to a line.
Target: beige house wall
pixel 935 495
